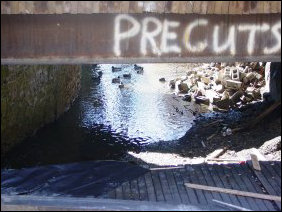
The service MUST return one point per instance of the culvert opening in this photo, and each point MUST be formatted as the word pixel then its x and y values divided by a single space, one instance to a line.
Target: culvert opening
pixel 155 114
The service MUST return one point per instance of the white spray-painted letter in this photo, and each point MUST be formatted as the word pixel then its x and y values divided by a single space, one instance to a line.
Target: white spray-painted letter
pixel 230 42
pixel 253 29
pixel 134 30
pixel 277 35
pixel 200 46
pixel 149 36
pixel 166 35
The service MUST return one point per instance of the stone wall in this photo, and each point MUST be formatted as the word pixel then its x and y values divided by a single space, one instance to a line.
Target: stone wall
pixel 32 96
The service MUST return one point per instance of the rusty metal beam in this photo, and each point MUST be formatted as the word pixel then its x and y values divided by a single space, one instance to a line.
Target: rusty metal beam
pixel 139 38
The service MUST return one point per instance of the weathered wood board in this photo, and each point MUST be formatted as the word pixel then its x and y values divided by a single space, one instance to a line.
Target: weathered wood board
pixel 139 38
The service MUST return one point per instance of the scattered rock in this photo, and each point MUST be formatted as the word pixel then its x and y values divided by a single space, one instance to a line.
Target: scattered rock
pixel 202 100
pixel 187 98
pixel 128 76
pixel 223 104
pixel 116 80
pixel 182 87
pixel 121 85
pixel 223 84
pixel 162 79
pixel 116 69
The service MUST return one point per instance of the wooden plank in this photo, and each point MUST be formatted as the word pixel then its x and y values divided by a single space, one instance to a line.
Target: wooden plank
pixel 193 179
pixel 274 6
pixel 265 183
pixel 135 6
pixel 218 7
pixel 181 188
pixel 73 9
pixel 204 7
pixel 165 187
pixel 254 204
pixel 197 7
pixel 109 195
pixel 211 7
pixel 143 194
pixel 158 187
pixel 59 7
pixel 210 181
pixel 126 191
pixel 247 177
pixel 234 185
pixel 202 181
pixel 66 7
pixel 218 183
pixel 84 7
pixel 190 192
pixel 226 184
pixel 186 7
pixel 14 7
pixel 172 186
pixel 259 9
pixel 255 162
pixel 277 167
pixel 225 7
pixel 272 179
pixel 266 7
pixel 134 189
pixel 275 177
pixel 234 192
pixel 124 6
pixel 150 187
pixel 119 193
pixel 234 7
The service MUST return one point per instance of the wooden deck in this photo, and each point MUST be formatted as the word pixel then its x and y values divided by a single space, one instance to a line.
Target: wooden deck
pixel 167 185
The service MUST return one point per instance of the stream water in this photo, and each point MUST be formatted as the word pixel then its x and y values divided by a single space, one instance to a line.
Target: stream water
pixel 105 121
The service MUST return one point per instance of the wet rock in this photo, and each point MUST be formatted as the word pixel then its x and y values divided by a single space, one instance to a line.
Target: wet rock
pixel 116 80
pixel 136 67
pixel 202 100
pixel 187 98
pixel 162 79
pixel 116 69
pixel 121 85
pixel 140 71
pixel 182 87
pixel 128 76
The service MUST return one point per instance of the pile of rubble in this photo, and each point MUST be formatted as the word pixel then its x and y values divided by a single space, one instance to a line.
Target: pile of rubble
pixel 222 86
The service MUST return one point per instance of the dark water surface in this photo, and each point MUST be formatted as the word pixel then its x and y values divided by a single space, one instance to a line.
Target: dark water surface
pixel 105 121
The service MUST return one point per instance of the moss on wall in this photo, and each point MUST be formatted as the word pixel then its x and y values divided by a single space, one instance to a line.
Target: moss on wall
pixel 32 96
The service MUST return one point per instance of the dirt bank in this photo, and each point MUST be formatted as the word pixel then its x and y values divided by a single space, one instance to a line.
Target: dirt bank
pixel 207 135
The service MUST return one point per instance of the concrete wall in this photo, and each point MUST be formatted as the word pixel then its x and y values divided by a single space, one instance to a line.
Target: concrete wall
pixel 32 96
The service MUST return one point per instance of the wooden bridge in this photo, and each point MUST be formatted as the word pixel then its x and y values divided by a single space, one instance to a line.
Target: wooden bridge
pixel 136 32
pixel 164 188
pixel 168 185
